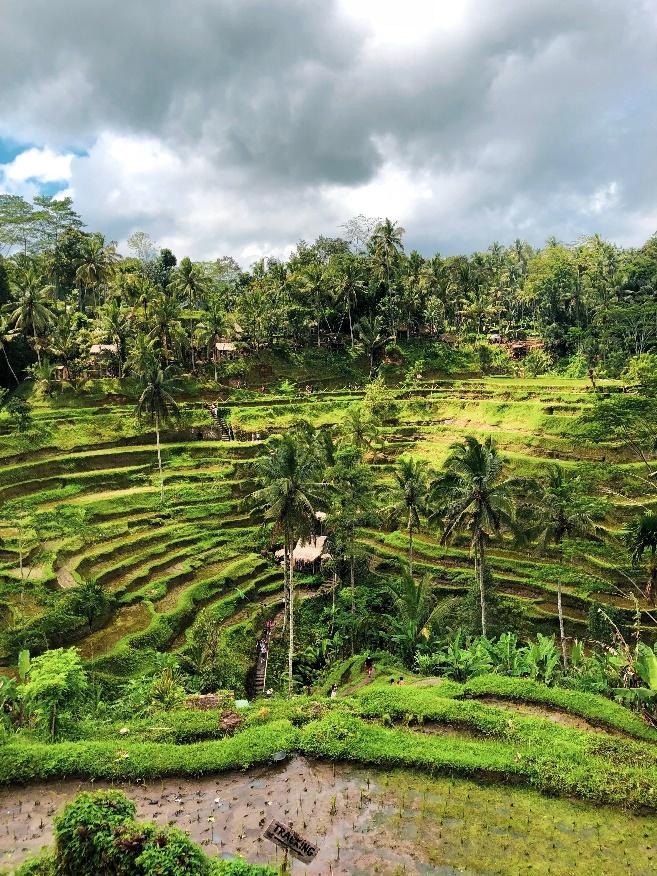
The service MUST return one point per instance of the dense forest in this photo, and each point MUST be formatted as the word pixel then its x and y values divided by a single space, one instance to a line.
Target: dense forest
pixel 63 290
pixel 358 505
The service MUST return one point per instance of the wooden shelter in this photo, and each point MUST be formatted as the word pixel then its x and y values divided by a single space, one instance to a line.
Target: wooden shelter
pixel 102 360
pixel 225 349
pixel 307 555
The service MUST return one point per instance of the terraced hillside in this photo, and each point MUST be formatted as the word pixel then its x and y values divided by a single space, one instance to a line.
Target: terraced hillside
pixel 81 504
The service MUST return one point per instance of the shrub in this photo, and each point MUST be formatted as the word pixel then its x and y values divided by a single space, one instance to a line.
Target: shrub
pixel 537 362
pixel 84 833
pixel 96 833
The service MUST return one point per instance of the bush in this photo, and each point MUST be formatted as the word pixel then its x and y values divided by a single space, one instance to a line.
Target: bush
pixel 85 833
pixel 537 362
pixel 96 833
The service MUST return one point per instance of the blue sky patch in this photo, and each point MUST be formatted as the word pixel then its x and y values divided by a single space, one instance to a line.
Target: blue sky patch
pixel 9 149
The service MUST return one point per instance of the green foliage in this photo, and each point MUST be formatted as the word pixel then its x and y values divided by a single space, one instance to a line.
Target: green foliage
pixel 537 362
pixel 96 833
pixel 57 681
pixel 85 833
pixel 21 762
pixel 239 867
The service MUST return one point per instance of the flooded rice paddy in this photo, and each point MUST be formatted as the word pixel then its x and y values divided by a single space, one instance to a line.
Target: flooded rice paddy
pixel 365 821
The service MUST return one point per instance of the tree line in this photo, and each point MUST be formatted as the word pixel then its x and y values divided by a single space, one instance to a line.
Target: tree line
pixel 63 288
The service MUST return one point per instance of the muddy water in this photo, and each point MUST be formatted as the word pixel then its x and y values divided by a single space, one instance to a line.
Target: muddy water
pixel 364 821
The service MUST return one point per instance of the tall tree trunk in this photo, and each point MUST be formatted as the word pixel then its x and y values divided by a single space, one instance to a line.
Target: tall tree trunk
pixel 410 546
pixel 290 653
pixel 562 633
pixel 353 601
pixel 481 557
pixel 36 341
pixel 333 589
pixel 286 567
pixel 351 328
pixel 13 373
pixel 159 457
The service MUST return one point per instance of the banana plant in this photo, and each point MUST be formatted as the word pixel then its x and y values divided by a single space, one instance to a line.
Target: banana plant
pixel 542 658
pixel 462 663
pixel 645 667
pixel 505 655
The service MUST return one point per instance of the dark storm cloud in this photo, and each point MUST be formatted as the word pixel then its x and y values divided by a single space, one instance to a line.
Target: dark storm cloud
pixel 530 111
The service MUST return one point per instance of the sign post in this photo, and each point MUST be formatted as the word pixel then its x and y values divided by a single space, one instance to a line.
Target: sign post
pixel 291 841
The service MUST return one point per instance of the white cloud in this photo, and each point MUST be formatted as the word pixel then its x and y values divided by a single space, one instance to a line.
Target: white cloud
pixel 262 121
pixel 31 167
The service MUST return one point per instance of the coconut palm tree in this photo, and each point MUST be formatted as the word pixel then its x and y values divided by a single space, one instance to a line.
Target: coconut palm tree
pixel 385 243
pixel 415 612
pixel 32 312
pixel 156 405
pixel 408 494
pixel 562 510
pixel 641 537
pixel 358 428
pixel 288 494
pixel 112 320
pixel 192 284
pixel 97 268
pixel 211 328
pixel 351 506
pixel 348 283
pixel 163 315
pixel 472 496
pixel 371 336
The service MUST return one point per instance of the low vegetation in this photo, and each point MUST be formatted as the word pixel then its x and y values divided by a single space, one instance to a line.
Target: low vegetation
pixel 378 468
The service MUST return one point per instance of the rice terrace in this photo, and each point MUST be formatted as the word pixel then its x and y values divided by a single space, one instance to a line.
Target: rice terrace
pixel 336 557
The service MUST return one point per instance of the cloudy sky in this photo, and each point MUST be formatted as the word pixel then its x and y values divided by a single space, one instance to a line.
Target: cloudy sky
pixel 239 126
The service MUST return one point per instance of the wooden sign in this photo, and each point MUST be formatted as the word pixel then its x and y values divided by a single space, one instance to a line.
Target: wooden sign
pixel 291 841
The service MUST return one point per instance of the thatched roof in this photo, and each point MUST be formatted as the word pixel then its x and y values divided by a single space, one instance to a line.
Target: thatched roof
pixel 307 552
pixel 225 346
pixel 103 349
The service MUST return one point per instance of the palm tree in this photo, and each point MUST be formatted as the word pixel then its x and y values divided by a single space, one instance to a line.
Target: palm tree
pixel 156 405
pixel 358 428
pixel 211 327
pixel 408 494
pixel 311 285
pixel 352 490
pixel 64 340
pixel 641 537
pixel 416 612
pixel 386 242
pixel 472 496
pixel 563 510
pixel 163 314
pixel 112 319
pixel 348 283
pixel 288 494
pixel 32 312
pixel 191 283
pixel 97 268
pixel 371 336
pixel 413 295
